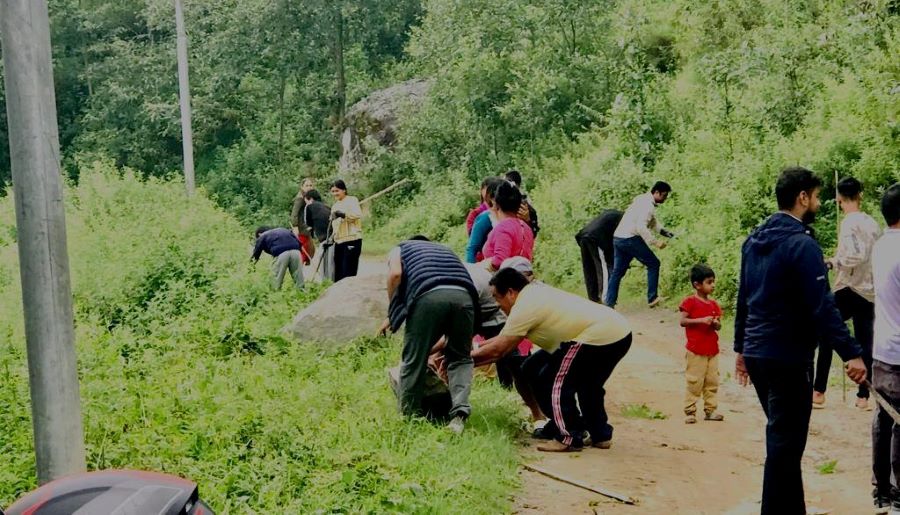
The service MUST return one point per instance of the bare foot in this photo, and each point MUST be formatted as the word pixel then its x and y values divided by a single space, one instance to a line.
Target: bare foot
pixel 556 446
pixel 818 400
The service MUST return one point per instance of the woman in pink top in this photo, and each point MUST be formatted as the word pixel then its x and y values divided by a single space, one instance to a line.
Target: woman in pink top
pixel 511 236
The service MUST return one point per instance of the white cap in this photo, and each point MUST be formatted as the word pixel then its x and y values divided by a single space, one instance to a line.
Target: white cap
pixel 519 264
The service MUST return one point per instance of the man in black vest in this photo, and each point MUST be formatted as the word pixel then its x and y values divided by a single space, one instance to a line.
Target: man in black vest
pixel 431 291
pixel 597 252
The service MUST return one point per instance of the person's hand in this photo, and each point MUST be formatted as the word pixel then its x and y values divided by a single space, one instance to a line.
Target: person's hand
pixel 523 213
pixel 439 365
pixel 382 331
pixel 709 320
pixel 339 214
pixel 829 263
pixel 740 371
pixel 661 245
pixel 856 370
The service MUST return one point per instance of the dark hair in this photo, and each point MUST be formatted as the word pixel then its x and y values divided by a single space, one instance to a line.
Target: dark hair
pixel 313 195
pixel 492 184
pixel 792 182
pixel 509 279
pixel 515 177
pixel 660 186
pixel 339 184
pixel 261 229
pixel 849 188
pixel 419 237
pixel 508 197
pixel 486 181
pixel 700 273
pixel 890 205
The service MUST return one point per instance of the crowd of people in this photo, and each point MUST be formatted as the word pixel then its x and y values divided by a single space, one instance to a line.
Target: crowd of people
pixel 559 349
pixel 328 239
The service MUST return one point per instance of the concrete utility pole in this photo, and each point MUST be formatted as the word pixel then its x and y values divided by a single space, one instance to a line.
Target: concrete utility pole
pixel 184 95
pixel 41 226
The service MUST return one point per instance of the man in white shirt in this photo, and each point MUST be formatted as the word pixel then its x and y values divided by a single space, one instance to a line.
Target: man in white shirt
pixel 853 290
pixel 886 354
pixel 632 240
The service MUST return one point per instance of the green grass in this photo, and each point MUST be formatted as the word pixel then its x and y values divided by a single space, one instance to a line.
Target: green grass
pixel 642 411
pixel 183 370
pixel 828 467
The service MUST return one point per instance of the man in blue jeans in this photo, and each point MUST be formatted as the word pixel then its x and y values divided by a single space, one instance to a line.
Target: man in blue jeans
pixel 784 308
pixel 632 240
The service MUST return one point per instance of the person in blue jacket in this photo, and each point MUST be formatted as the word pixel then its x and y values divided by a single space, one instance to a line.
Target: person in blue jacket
pixel 483 222
pixel 284 247
pixel 784 307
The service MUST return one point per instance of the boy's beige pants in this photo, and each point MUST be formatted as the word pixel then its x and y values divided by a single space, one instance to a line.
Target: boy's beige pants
pixel 702 374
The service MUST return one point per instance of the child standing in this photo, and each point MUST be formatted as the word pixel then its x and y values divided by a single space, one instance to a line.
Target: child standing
pixel 700 317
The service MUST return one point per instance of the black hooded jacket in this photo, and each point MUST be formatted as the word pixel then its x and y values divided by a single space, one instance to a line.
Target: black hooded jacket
pixel 785 305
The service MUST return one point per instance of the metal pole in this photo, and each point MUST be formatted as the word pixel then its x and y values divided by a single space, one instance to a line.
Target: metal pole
pixel 184 98
pixel 41 227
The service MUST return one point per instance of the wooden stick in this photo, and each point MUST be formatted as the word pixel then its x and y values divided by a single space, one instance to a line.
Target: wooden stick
pixel 884 403
pixel 389 189
pixel 574 482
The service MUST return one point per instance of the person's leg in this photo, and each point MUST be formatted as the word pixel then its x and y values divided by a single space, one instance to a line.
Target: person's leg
pixel 354 250
pixel 279 268
pixel 295 265
pixel 340 251
pixel 458 319
pixel 505 366
pixel 565 411
pixel 863 329
pixel 711 385
pixel 694 372
pixel 607 261
pixel 785 390
pixel 592 372
pixel 646 257
pixel 589 270
pixel 885 432
pixel 532 373
pixel 420 335
pixel 620 267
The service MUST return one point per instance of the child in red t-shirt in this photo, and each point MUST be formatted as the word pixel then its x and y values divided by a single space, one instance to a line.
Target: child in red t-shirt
pixel 700 317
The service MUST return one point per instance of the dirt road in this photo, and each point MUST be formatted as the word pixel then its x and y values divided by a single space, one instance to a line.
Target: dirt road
pixel 709 468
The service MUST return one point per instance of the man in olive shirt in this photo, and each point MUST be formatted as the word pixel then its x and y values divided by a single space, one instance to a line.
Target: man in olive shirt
pixel 581 342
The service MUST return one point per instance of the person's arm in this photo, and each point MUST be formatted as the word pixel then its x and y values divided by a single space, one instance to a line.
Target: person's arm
pixel 352 209
pixel 492 350
pixel 258 248
pixel 646 223
pixel 686 321
pixel 295 214
pixel 395 272
pixel 812 277
pixel 477 238
pixel 740 325
pixel 503 244
pixel 470 220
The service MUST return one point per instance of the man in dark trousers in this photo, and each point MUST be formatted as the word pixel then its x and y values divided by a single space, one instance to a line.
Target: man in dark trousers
pixel 431 291
pixel 784 307
pixel 284 247
pixel 597 252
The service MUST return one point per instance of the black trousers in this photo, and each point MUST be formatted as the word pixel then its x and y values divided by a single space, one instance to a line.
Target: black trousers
pixel 346 259
pixel 508 367
pixel 785 392
pixel 854 307
pixel 575 370
pixel 596 268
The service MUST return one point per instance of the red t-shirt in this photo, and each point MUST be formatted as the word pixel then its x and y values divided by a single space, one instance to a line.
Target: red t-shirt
pixel 701 339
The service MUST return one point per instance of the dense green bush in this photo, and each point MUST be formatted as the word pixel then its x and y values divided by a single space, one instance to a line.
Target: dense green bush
pixel 184 370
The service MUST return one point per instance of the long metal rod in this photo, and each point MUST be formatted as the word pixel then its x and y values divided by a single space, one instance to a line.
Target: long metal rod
pixel 580 484
pixel 41 229
pixel 184 99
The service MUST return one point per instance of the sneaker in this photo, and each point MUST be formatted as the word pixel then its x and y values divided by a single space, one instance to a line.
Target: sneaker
pixel 690 419
pixel 862 403
pixel 457 424
pixel 655 302
pixel 557 446
pixel 882 505
pixel 602 445
pixel 712 416
pixel 818 400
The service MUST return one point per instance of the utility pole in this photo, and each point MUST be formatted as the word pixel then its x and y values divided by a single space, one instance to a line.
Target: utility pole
pixel 184 96
pixel 41 226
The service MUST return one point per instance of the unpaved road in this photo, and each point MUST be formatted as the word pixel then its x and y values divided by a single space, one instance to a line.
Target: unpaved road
pixel 709 467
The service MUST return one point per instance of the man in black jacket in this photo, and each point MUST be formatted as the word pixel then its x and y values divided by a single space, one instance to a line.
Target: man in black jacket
pixel 284 247
pixel 597 252
pixel 784 307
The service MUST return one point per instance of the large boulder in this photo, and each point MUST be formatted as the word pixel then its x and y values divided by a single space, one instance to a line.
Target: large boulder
pixel 350 308
pixel 374 120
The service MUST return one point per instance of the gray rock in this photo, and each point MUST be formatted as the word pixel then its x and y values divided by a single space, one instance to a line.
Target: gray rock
pixel 374 119
pixel 351 308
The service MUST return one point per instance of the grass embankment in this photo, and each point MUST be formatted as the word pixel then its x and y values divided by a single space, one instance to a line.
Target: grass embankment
pixel 183 371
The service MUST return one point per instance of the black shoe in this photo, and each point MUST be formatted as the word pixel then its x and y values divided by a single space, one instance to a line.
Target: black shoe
pixel 541 434
pixel 882 503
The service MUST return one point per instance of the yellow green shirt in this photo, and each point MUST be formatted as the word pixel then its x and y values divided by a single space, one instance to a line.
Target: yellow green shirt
pixel 548 317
